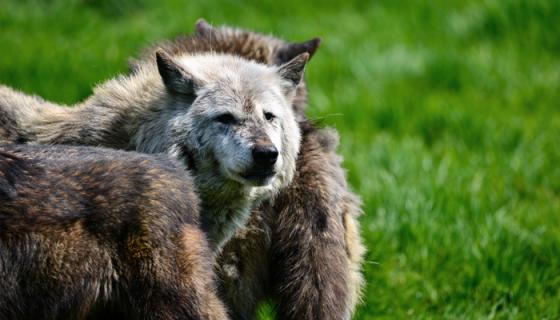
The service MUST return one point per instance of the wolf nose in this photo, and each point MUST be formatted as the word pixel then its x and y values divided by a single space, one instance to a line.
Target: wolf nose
pixel 265 155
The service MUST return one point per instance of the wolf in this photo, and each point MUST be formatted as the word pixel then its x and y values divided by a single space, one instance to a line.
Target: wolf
pixel 91 233
pixel 301 248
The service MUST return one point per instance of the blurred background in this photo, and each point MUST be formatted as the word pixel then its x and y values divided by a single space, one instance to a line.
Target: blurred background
pixel 449 115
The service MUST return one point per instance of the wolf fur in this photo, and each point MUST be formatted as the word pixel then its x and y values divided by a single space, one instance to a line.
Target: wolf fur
pixel 91 233
pixel 321 278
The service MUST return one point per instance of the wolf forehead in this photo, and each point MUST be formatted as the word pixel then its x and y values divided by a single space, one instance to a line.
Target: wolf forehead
pixel 228 79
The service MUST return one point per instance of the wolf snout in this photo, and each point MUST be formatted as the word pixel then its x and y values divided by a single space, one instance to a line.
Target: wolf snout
pixel 264 159
pixel 265 155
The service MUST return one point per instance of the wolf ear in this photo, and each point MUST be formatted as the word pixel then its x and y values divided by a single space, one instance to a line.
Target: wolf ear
pixel 289 51
pixel 174 76
pixel 202 28
pixel 292 71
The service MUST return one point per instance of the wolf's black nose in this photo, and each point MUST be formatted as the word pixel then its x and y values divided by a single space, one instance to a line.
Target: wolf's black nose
pixel 265 155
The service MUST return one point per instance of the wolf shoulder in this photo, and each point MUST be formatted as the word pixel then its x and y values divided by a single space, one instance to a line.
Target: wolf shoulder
pixel 84 179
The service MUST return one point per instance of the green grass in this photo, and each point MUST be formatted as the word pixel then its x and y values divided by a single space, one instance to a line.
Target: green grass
pixel 449 113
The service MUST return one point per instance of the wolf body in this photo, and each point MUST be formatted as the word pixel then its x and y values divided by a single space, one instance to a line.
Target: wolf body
pixel 90 233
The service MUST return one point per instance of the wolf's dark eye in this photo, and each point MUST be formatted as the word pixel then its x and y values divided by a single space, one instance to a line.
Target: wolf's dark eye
pixel 269 116
pixel 226 118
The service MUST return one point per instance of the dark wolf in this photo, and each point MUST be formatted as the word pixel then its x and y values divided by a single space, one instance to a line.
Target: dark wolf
pixel 91 233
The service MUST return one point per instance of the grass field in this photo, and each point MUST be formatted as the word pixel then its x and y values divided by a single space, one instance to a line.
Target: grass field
pixel 449 114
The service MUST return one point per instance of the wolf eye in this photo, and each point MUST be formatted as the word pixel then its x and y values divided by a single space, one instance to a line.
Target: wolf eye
pixel 269 116
pixel 225 118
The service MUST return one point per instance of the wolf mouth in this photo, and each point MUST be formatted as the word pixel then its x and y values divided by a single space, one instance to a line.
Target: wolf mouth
pixel 260 177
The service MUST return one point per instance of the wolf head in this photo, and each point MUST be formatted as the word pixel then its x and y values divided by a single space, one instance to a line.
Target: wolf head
pixel 231 118
pixel 247 44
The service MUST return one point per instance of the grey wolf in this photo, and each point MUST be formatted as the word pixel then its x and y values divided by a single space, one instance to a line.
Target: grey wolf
pixel 302 248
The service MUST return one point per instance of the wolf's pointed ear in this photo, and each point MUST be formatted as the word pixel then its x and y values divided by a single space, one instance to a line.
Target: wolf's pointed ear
pixel 202 28
pixel 175 77
pixel 289 51
pixel 292 71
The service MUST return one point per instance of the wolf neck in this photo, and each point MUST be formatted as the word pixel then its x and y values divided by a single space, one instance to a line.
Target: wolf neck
pixel 226 206
pixel 109 118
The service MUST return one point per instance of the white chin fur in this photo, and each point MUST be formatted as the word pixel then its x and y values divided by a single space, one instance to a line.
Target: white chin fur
pixel 249 183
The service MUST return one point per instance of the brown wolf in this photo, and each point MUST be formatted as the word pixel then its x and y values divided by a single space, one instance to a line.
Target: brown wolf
pixel 95 233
